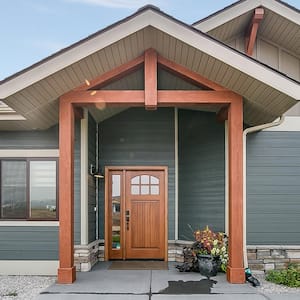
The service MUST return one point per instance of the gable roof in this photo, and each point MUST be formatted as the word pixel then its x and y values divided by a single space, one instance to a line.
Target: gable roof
pixel 281 22
pixel 34 92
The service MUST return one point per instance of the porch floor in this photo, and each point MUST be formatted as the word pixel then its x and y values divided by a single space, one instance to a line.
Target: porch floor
pixel 101 283
pixel 147 284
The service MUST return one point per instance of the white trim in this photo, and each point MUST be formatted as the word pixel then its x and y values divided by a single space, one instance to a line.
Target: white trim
pixel 29 153
pixel 226 178
pixel 241 8
pixel 169 26
pixel 289 124
pixel 84 167
pixel 88 246
pixel 28 267
pixel 11 117
pixel 283 247
pixel 176 170
pixel 30 223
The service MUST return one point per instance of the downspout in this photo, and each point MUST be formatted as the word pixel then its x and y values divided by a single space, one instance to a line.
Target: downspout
pixel 97 182
pixel 246 131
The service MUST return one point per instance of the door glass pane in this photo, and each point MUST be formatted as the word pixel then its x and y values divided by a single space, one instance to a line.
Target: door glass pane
pixel 116 211
pixel 135 180
pixel 135 190
pixel 43 189
pixel 154 190
pixel 145 179
pixel 13 189
pixel 154 180
pixel 145 189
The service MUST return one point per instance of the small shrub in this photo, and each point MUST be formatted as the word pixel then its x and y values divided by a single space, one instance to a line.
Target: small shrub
pixel 289 277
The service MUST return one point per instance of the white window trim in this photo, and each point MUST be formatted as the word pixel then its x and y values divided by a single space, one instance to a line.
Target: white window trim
pixel 29 223
pixel 28 153
pixel 16 153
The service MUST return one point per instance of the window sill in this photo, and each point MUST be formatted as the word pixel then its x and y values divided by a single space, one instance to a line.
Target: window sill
pixel 29 223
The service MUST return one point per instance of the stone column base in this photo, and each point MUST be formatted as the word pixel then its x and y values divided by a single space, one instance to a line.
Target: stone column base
pixel 86 256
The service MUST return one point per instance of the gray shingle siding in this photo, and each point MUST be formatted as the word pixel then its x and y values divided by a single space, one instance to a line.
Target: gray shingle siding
pixel 273 188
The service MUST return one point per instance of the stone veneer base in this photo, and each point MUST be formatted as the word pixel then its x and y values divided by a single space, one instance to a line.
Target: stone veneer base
pixel 260 257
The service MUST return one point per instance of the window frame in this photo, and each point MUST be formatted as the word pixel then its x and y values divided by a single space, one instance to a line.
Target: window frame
pixel 27 200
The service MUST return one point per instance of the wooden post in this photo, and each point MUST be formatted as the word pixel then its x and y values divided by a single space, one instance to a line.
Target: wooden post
pixel 235 270
pixel 66 271
pixel 150 79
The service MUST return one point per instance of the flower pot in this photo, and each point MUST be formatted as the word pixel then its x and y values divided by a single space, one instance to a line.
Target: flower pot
pixel 208 265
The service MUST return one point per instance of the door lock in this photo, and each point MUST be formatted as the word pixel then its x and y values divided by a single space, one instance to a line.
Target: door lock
pixel 127 215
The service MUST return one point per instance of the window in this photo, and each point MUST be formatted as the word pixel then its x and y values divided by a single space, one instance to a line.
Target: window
pixel 144 185
pixel 28 189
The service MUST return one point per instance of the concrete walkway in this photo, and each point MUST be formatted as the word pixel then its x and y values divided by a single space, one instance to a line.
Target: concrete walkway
pixel 105 284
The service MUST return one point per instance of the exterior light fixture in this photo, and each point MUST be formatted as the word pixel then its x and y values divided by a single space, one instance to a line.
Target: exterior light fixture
pixel 95 173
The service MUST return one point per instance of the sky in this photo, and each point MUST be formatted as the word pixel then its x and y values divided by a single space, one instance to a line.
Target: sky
pixel 31 30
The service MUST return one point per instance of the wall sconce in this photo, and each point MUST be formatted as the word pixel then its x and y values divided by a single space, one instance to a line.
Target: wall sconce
pixel 95 173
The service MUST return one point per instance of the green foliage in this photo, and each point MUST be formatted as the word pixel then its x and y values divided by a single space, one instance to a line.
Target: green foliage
pixel 211 243
pixel 289 277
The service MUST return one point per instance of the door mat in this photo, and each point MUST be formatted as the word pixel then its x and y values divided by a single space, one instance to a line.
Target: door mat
pixel 138 265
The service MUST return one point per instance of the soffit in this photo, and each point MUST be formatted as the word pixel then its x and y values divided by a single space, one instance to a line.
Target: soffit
pixel 273 27
pixel 38 102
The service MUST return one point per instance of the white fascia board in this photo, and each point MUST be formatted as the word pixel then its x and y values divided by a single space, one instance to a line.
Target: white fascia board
pixel 75 54
pixel 241 8
pixel 227 15
pixel 228 56
pixel 171 27
pixel 11 117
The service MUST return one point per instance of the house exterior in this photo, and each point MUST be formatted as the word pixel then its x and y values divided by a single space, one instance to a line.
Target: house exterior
pixel 182 122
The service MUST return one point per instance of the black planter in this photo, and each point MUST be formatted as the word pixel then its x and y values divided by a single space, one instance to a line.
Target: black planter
pixel 208 265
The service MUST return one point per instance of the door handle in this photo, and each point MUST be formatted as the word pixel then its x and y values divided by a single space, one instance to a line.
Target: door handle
pixel 127 215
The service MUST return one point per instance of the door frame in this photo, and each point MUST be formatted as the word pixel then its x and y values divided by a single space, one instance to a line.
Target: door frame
pixel 106 199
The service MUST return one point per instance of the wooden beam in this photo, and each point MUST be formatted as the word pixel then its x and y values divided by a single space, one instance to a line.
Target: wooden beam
pixel 251 34
pixel 112 75
pixel 137 98
pixel 222 114
pixel 188 75
pixel 235 271
pixel 106 97
pixel 150 79
pixel 175 98
pixel 66 271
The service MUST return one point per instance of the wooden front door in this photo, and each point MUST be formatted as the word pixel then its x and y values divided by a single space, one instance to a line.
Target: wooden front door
pixel 136 214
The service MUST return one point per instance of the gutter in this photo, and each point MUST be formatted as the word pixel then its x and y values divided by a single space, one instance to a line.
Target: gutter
pixel 245 132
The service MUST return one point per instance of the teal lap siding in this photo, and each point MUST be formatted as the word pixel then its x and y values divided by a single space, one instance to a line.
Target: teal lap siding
pixel 139 137
pixel 273 188
pixel 201 172
pixel 28 243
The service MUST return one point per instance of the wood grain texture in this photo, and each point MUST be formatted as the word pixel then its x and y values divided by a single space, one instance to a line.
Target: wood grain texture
pixel 66 272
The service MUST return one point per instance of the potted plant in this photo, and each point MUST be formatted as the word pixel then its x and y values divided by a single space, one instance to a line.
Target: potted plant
pixel 210 248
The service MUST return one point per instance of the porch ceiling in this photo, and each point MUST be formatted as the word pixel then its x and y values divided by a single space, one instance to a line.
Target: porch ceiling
pixel 36 96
